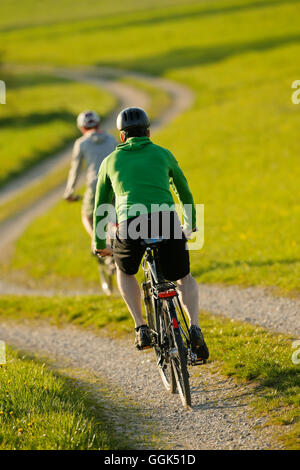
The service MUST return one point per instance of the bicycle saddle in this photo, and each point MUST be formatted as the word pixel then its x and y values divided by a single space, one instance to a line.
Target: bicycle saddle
pixel 152 241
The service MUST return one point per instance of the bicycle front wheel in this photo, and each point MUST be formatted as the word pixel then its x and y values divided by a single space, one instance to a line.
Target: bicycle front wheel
pixel 178 355
pixel 106 274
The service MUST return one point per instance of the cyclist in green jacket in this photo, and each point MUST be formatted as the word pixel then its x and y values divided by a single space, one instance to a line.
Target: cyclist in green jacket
pixel 139 173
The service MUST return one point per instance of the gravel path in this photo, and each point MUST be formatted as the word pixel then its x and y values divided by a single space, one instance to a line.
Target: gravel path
pixel 182 97
pixel 220 417
pixel 253 305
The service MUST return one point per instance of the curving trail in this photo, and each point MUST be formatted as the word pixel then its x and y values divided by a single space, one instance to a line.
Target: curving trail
pixel 221 417
pixel 253 305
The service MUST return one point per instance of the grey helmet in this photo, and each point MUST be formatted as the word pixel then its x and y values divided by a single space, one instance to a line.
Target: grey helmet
pixel 132 117
pixel 88 119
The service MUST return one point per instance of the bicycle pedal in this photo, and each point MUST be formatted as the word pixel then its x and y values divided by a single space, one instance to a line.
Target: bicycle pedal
pixel 144 348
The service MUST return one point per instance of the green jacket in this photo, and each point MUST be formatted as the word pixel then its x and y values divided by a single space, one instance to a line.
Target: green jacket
pixel 140 172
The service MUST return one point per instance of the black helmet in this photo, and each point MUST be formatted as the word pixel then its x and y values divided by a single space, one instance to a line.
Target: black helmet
pixel 132 117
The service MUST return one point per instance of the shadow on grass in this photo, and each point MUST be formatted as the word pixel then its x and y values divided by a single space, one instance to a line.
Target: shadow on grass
pixel 215 265
pixel 35 119
pixel 283 380
pixel 16 81
pixel 192 13
pixel 269 378
pixel 277 382
pixel 193 56
pixel 158 17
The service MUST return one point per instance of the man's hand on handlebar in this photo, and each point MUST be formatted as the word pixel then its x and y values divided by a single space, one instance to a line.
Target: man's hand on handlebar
pixel 188 232
pixel 105 252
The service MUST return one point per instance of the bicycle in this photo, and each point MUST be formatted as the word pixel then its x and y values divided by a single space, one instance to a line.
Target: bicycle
pixel 168 326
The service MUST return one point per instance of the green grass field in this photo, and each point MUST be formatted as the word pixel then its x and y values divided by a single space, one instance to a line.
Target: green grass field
pixel 42 410
pixel 248 353
pixel 39 117
pixel 238 145
pixel 27 197
pixel 33 13
pixel 64 255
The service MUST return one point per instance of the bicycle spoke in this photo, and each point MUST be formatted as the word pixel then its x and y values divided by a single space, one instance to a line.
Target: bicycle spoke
pixel 179 359
pixel 106 274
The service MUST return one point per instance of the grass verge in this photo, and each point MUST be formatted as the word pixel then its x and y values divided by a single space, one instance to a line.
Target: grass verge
pixel 248 353
pixel 42 410
pixel 33 193
pixel 50 260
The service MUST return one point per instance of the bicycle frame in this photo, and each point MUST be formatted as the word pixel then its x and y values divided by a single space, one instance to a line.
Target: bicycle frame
pixel 166 292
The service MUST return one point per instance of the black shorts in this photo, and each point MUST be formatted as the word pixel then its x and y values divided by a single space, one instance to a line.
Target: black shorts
pixel 173 253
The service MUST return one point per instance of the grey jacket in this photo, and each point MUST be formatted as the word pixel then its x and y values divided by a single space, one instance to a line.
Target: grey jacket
pixel 92 148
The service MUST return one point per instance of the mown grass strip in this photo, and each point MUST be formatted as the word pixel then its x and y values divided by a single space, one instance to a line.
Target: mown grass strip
pixel 95 311
pixel 248 353
pixel 33 193
pixel 53 262
pixel 42 410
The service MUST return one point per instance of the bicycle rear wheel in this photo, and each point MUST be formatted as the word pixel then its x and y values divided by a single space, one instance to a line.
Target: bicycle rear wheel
pixel 159 333
pixel 178 355
pixel 164 361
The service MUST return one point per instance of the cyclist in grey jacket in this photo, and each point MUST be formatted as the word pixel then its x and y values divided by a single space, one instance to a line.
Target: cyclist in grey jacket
pixel 92 147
